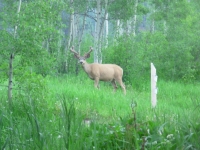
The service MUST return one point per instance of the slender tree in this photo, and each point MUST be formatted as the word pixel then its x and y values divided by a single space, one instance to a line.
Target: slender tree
pixel 97 32
pixel 106 23
pixel 10 81
pixel 135 17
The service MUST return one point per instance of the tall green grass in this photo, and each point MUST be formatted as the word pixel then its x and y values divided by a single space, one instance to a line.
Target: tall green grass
pixel 55 117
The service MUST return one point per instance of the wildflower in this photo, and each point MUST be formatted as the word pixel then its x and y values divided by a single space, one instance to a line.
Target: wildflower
pixel 170 136
pixel 148 131
pixel 154 143
pixel 30 140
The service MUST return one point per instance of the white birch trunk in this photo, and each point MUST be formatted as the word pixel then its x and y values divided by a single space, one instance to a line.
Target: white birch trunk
pixel 106 29
pixel 81 33
pixel 71 34
pixel 97 32
pixel 18 10
pixel 10 81
pixel 95 42
pixel 101 37
pixel 70 40
pixel 59 41
pixel 135 18
pixel 128 27
pixel 153 24
pixel 75 29
pixel 119 28
pixel 100 43
pixel 106 23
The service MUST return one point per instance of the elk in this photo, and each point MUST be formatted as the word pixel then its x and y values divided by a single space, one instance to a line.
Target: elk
pixel 101 72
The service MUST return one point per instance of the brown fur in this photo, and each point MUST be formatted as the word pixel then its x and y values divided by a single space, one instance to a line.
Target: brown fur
pixel 101 72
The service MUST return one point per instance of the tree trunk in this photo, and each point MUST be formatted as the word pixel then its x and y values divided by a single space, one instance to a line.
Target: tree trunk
pixel 59 41
pixel 75 29
pixel 128 27
pixel 71 32
pixel 119 28
pixel 106 23
pixel 100 38
pixel 153 24
pixel 70 40
pixel 10 81
pixel 135 17
pixel 81 33
pixel 97 32
pixel 18 10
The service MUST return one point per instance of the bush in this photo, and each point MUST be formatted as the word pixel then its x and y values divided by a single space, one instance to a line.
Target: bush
pixel 134 55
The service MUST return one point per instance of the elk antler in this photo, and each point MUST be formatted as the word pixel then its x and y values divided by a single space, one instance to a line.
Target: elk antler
pixel 73 51
pixel 87 55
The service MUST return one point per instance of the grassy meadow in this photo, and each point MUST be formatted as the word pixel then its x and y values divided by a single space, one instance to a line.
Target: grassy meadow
pixel 69 113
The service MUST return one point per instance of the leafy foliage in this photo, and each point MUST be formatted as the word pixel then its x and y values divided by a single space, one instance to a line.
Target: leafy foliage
pixel 42 119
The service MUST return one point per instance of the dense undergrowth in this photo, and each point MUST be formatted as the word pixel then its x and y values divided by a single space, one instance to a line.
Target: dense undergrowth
pixel 68 113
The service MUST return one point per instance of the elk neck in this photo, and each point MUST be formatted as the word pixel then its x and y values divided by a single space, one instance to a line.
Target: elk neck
pixel 86 67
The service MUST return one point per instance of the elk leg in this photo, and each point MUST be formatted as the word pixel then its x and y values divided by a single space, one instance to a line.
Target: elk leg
pixel 114 85
pixel 96 83
pixel 122 85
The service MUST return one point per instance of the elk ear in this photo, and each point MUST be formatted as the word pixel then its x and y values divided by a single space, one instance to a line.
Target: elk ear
pixel 87 55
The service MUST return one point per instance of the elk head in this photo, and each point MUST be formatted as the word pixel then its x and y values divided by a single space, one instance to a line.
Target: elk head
pixel 82 59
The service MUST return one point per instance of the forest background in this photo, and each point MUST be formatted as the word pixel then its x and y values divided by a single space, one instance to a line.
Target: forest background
pixel 36 37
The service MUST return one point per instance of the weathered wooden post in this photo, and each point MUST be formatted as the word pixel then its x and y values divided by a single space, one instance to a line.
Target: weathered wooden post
pixel 154 90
